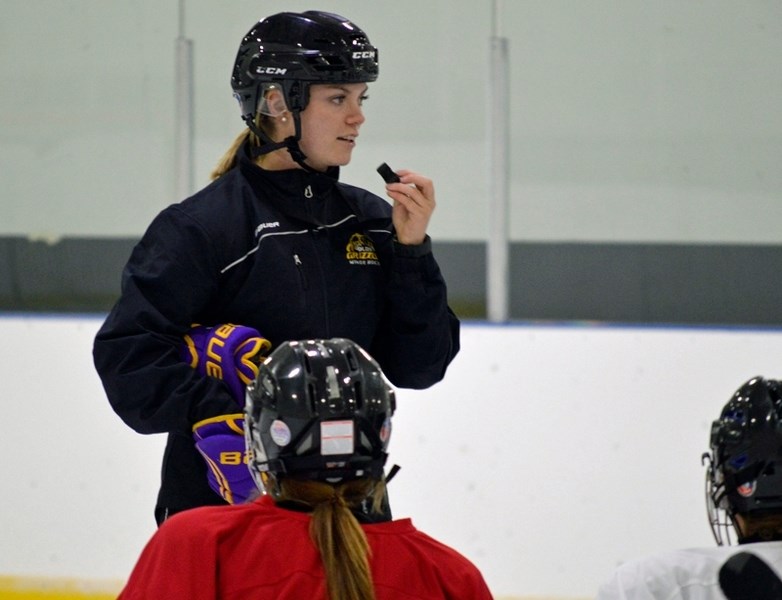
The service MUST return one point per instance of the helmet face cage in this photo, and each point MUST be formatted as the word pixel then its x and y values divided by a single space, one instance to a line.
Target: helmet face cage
pixel 717 510
pixel 295 50
pixel 744 472
pixel 319 409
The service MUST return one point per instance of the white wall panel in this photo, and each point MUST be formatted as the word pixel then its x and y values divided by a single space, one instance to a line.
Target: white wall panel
pixel 631 121
pixel 547 455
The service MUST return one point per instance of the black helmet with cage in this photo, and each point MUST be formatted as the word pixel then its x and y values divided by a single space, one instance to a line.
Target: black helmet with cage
pixel 744 473
pixel 292 51
pixel 318 410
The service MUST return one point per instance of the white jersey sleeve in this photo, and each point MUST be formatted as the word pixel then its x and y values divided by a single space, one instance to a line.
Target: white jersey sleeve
pixel 691 574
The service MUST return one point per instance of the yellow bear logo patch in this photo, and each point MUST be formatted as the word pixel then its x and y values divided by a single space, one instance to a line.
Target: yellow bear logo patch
pixel 361 251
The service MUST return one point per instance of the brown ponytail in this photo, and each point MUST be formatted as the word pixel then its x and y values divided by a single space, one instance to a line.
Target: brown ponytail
pixel 337 534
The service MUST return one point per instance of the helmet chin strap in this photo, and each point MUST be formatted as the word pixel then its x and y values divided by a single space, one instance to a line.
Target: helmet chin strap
pixel 268 145
pixel 293 147
pixel 291 143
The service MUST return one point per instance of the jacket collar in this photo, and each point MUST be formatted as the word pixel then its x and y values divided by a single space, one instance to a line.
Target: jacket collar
pixel 321 195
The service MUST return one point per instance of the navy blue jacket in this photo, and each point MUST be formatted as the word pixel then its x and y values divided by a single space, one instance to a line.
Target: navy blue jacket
pixel 293 254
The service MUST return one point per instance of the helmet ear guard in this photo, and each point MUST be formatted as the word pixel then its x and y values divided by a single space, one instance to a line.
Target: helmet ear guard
pixel 271 100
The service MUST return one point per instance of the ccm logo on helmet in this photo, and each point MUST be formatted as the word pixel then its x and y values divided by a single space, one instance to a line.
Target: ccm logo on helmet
pixel 364 54
pixel 271 71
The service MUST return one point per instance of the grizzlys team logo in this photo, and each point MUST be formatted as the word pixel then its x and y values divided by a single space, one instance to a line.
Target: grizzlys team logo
pixel 361 251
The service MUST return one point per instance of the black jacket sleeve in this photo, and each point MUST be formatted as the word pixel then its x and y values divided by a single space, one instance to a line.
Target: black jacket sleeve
pixel 419 337
pixel 166 283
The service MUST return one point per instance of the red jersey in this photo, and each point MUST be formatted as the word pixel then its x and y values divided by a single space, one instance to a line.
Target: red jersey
pixel 258 550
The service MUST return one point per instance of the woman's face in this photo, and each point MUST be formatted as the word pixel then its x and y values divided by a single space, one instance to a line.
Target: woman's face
pixel 330 123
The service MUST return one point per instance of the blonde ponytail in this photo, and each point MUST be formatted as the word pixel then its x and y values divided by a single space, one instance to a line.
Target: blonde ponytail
pixel 228 160
pixel 336 532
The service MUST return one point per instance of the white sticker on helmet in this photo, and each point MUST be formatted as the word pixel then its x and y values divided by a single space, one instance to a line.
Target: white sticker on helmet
pixel 331 382
pixel 280 433
pixel 385 430
pixel 336 437
pixel 748 489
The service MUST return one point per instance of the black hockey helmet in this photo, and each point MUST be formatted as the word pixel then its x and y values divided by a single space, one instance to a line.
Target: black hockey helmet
pixel 744 474
pixel 294 50
pixel 321 410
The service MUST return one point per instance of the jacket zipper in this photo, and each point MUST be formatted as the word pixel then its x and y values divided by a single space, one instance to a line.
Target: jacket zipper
pixel 300 269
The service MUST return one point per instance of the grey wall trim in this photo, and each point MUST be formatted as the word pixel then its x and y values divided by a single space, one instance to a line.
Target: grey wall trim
pixel 628 283
pixel 73 275
pixel 650 283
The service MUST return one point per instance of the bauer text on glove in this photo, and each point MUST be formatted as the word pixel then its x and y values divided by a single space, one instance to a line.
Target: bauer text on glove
pixel 227 352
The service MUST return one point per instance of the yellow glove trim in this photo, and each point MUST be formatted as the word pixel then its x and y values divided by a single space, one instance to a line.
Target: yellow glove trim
pixel 225 489
pixel 192 350
pixel 230 420
pixel 250 354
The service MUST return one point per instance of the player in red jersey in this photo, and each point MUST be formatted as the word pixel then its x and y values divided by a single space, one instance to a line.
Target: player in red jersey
pixel 318 425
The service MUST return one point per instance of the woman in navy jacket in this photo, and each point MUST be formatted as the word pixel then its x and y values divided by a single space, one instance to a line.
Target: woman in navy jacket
pixel 278 244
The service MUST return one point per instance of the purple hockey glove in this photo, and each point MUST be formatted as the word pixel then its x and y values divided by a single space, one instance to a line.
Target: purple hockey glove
pixel 220 440
pixel 228 352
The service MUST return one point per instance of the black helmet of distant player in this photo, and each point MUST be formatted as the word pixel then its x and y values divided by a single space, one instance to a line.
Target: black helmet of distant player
pixel 291 51
pixel 744 474
pixel 318 410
